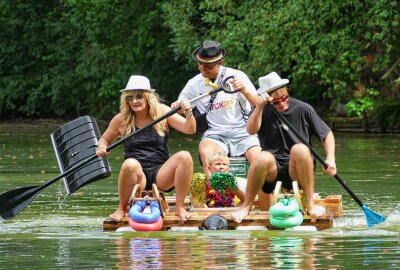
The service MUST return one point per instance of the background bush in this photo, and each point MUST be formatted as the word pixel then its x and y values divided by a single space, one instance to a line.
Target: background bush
pixel 69 58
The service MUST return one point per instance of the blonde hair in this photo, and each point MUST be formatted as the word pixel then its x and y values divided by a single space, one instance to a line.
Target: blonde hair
pixel 128 115
pixel 216 157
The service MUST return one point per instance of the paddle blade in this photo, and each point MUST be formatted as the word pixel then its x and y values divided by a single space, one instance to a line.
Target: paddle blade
pixel 14 201
pixel 372 217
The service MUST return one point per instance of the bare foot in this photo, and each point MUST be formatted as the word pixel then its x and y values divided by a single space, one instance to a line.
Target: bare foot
pixel 317 211
pixel 239 215
pixel 183 214
pixel 118 215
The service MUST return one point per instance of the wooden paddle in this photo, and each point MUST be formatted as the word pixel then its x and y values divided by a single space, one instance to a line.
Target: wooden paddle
pixel 14 201
pixel 371 217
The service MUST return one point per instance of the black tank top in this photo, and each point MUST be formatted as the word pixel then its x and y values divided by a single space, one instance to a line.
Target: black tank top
pixel 147 147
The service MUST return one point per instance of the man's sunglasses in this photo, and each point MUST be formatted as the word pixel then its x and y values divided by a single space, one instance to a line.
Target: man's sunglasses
pixel 279 100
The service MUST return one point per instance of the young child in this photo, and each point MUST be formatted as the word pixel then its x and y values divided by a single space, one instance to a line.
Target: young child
pixel 219 162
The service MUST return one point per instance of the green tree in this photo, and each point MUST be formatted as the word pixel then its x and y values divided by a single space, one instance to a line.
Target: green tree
pixel 67 58
pixel 326 48
pixel 70 57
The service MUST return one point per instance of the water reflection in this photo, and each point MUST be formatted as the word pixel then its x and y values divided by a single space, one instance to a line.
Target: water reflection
pixel 63 257
pixel 343 249
pixel 55 232
pixel 153 253
pixel 143 252
pixel 212 253
pixel 292 253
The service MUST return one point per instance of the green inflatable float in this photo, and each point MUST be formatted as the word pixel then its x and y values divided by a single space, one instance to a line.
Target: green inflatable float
pixel 286 213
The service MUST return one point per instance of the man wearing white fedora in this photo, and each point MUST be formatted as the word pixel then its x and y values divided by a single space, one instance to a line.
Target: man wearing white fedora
pixel 284 157
pixel 226 114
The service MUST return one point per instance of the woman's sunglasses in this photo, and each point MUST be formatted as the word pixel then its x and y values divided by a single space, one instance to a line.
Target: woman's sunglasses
pixel 279 100
pixel 137 97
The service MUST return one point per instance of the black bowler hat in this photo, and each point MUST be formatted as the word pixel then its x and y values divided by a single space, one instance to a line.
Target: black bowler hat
pixel 210 52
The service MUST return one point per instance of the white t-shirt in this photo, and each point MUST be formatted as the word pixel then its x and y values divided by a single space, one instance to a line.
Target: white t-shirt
pixel 225 113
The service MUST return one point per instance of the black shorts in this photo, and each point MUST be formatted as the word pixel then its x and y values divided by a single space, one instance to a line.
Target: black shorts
pixel 151 174
pixel 282 167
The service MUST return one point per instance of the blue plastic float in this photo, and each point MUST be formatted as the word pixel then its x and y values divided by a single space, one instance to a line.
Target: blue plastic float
pixel 140 221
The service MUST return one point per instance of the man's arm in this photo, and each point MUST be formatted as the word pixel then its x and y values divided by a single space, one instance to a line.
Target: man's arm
pixel 329 146
pixel 254 122
pixel 251 96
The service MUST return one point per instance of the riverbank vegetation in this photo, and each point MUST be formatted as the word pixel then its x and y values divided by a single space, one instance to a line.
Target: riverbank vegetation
pixel 63 59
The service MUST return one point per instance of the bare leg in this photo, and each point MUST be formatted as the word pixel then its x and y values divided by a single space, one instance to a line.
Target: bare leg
pixel 302 169
pixel 265 200
pixel 261 166
pixel 130 174
pixel 182 181
pixel 178 172
pixel 252 153
pixel 207 148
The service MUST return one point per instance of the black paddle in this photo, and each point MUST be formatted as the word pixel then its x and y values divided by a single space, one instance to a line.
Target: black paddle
pixel 14 201
pixel 371 217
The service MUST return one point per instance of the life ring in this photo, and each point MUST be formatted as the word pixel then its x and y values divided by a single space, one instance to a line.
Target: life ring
pixel 287 222
pixel 136 212
pixel 284 207
pixel 142 227
pixel 286 213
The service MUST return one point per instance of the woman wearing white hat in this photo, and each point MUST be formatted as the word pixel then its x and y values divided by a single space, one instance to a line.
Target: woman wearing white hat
pixel 283 157
pixel 147 159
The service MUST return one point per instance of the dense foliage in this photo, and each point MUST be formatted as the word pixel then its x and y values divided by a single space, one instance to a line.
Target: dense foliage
pixel 70 57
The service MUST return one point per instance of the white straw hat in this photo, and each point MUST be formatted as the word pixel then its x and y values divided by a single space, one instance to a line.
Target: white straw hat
pixel 138 82
pixel 271 82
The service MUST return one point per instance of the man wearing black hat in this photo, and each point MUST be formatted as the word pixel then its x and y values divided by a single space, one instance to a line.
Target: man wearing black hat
pixel 226 114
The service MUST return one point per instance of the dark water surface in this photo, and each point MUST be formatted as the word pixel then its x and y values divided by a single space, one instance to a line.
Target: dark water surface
pixel 56 231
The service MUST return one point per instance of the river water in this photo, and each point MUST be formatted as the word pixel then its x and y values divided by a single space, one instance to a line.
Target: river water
pixel 57 231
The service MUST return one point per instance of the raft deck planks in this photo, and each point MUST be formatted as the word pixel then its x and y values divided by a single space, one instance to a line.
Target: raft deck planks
pixel 333 204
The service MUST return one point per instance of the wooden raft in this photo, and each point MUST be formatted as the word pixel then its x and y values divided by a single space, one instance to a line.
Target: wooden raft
pixel 332 203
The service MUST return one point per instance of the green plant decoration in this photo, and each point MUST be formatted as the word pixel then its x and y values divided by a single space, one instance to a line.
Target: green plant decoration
pixel 222 181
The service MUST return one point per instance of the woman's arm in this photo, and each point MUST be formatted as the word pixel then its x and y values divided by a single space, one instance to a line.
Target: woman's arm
pixel 185 124
pixel 109 136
